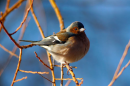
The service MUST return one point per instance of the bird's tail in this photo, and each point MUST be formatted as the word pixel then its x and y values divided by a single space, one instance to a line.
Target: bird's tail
pixel 28 41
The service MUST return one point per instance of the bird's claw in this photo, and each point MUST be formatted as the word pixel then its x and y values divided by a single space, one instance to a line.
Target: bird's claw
pixel 70 69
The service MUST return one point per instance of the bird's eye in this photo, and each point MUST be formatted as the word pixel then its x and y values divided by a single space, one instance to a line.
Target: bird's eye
pixel 76 28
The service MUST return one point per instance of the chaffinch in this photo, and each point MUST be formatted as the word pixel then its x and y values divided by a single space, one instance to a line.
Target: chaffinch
pixel 70 44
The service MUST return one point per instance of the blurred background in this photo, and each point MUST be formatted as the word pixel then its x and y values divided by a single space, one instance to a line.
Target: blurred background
pixel 107 24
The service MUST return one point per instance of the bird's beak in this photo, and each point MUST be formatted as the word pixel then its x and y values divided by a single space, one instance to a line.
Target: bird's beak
pixel 82 29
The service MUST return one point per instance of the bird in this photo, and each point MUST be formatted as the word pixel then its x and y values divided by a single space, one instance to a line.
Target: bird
pixel 69 45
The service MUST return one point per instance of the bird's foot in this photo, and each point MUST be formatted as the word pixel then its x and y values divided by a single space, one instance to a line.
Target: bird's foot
pixel 70 68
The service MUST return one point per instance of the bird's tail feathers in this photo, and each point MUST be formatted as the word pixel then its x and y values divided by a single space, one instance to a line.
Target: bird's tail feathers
pixel 28 41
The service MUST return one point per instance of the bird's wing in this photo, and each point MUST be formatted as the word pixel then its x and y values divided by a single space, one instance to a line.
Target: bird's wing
pixel 58 38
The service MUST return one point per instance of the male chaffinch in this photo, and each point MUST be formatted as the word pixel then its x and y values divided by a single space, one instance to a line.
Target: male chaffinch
pixel 70 44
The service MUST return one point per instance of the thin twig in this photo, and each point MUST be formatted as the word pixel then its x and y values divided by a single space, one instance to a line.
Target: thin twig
pixel 10 35
pixel 68 79
pixel 58 14
pixel 42 61
pixel 42 34
pixel 20 58
pixel 120 63
pixel 36 20
pixel 62 73
pixel 15 47
pixel 25 17
pixel 16 5
pixel 1 13
pixel 46 78
pixel 33 72
pixel 21 34
pixel 123 69
pixel 10 52
pixel 52 69
pixel 0 28
pixel 73 75
pixel 20 79
pixel 26 46
pixel 68 82
pixel 7 5
pixel 81 82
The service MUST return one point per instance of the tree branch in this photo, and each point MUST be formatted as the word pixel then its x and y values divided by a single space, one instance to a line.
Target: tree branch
pixel 117 74
pixel 33 72
pixel 20 79
pixel 58 14
pixel 20 58
pixel 25 17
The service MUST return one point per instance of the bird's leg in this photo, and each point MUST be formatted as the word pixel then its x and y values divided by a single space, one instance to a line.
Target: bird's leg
pixel 70 68
pixel 65 66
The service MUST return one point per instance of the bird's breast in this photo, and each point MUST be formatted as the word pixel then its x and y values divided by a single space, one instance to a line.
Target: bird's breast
pixel 73 50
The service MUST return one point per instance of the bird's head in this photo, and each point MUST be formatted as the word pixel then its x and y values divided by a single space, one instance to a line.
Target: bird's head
pixel 76 28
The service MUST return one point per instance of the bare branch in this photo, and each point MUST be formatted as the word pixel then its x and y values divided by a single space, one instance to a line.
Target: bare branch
pixel 119 65
pixel 68 79
pixel 19 62
pixel 37 22
pixel 42 61
pixel 123 69
pixel 25 17
pixel 10 52
pixel 62 73
pixel 10 35
pixel 72 74
pixel 16 5
pixel 15 47
pixel 58 14
pixel 20 79
pixel 7 5
pixel 81 82
pixel 33 72
pixel 52 69
pixel 68 82
pixel 46 78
